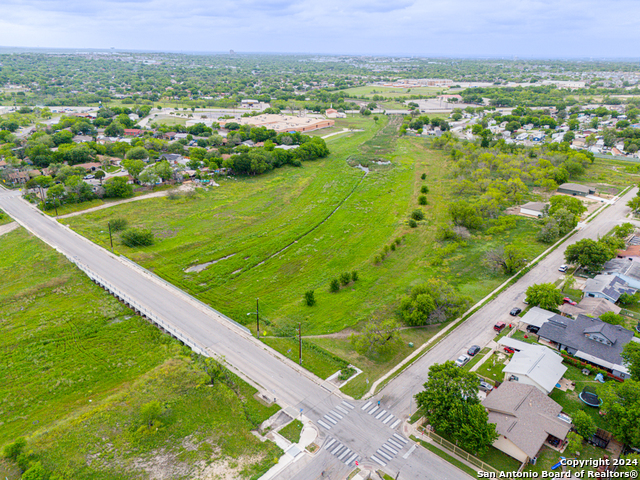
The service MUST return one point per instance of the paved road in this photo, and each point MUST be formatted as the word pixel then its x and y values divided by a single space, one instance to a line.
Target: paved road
pixel 478 328
pixel 370 436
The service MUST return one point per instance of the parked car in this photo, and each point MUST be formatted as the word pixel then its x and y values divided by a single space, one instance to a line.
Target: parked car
pixel 473 350
pixel 509 350
pixel 569 301
pixel 563 268
pixel 515 311
pixel 462 360
pixel 532 329
pixel 498 327
pixel 485 387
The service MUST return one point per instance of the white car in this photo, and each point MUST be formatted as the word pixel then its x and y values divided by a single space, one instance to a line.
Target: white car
pixel 563 268
pixel 462 360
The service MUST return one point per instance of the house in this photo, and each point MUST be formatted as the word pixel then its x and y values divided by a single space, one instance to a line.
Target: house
pixel 609 286
pixel 180 136
pixel 628 269
pixel 534 365
pixel 169 136
pixel 536 316
pixel 576 189
pixel 525 419
pixel 631 251
pixel 19 177
pixel 132 132
pixel 535 209
pixel 172 158
pixel 589 339
pixel 3 164
pixel 90 167
pixel 592 306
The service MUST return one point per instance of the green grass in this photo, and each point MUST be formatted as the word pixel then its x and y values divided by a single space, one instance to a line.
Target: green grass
pixel 292 431
pixel 370 91
pixel 77 366
pixel 492 369
pixel 452 460
pixel 548 457
pixel 476 358
pixel 75 207
pixel 519 335
pixel 317 361
pixel 569 400
pixel 4 218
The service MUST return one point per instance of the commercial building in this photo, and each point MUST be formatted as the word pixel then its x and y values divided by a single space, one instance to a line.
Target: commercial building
pixel 283 123
pixel 576 189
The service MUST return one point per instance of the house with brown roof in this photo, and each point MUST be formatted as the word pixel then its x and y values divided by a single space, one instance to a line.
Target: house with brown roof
pixel 90 167
pixel 631 251
pixel 132 132
pixel 525 419
pixel 19 177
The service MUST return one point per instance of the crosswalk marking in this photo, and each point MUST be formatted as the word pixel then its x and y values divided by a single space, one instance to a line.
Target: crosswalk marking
pixel 387 419
pixel 330 419
pixel 380 414
pixel 377 460
pixel 365 406
pixel 333 452
pixel 339 408
pixel 344 454
pixel 326 447
pixel 373 410
pixel 392 450
pixel 401 438
pixel 395 444
pixel 323 424
pixel 406 455
pixel 383 454
pixel 348 405
pixel 335 414
pixel 351 459
pixel 395 424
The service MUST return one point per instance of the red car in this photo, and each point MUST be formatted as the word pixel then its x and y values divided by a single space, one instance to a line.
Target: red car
pixel 499 326
pixel 569 301
pixel 509 350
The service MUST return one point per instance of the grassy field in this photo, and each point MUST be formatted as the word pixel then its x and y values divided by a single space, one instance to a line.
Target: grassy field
pixel 278 235
pixel 370 91
pixel 492 368
pixel 292 431
pixel 4 218
pixel 77 367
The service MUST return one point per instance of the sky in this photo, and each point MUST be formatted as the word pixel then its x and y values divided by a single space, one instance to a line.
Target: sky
pixel 469 28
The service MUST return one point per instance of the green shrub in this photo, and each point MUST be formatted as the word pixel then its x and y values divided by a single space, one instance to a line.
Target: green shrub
pixel 118 224
pixel 424 189
pixel 423 176
pixel 354 275
pixel 413 223
pixel 346 373
pixel 14 449
pixel 137 238
pixel 345 278
pixel 310 298
pixel 422 200
pixel 377 259
pixel 393 247
pixel 334 286
pixel 386 249
pixel 398 240
pixel 417 215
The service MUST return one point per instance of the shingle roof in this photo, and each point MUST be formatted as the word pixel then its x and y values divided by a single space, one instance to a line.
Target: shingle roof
pixel 537 316
pixel 575 187
pixel 609 284
pixel 572 333
pixel 525 415
pixel 539 363
pixel 629 266
pixel 536 206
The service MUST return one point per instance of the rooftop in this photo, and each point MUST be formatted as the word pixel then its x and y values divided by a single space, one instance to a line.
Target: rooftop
pixel 624 266
pixel 610 285
pixel 576 187
pixel 539 363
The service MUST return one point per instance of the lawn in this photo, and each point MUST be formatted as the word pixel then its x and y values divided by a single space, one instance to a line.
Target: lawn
pixel 476 358
pixel 392 92
pixel 519 335
pixel 492 368
pixel 278 235
pixel 548 457
pixel 4 218
pixel 77 367
pixel 292 431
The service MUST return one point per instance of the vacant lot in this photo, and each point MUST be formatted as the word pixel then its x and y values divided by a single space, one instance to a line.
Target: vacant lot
pixel 370 91
pixel 77 367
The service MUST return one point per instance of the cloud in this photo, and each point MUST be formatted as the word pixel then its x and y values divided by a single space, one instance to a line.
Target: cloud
pixel 416 27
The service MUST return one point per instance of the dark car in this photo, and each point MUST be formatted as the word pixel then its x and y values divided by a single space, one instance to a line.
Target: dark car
pixel 515 312
pixel 498 327
pixel 532 329
pixel 473 350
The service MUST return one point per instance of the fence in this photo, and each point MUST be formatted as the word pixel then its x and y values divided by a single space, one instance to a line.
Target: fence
pixel 173 331
pixel 458 451
pixel 629 313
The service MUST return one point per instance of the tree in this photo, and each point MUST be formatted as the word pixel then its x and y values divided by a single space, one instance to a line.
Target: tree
pixel 134 167
pixel 376 337
pixel 569 282
pixel 575 443
pixel 432 302
pixel 589 253
pixel 309 298
pixel 565 220
pixel 345 278
pixel 627 300
pixel 137 153
pixel 634 204
pixel 465 215
pixel 163 169
pixel 334 286
pixel 149 176
pixel 612 318
pixel 631 355
pixel 584 424
pixel 135 237
pixel 621 404
pixel 417 214
pixel 150 412
pixel 544 295
pixel 36 472
pixel 99 175
pixel 549 230
pixel 507 259
pixel 117 187
pixel 624 230
pixel 450 402
pixel 570 203
pixel 422 200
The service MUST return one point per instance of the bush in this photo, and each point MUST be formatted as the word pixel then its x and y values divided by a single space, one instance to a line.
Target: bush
pixel 345 278
pixel 346 373
pixel 417 215
pixel 310 298
pixel 377 259
pixel 14 449
pixel 423 176
pixel 398 240
pixel 334 286
pixel 422 200
pixel 393 247
pixel 386 249
pixel 585 426
pixel 354 275
pixel 118 224
pixel 137 238
pixel 424 189
pixel 413 223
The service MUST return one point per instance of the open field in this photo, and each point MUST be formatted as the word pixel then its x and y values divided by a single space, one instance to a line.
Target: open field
pixel 370 91
pixel 4 218
pixel 77 367
pixel 278 235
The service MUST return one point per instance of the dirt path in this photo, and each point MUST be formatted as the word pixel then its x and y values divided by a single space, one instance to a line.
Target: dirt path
pixel 112 204
pixel 344 130
pixel 8 227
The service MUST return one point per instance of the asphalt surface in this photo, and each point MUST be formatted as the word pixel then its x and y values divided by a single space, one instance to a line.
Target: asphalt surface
pixel 350 430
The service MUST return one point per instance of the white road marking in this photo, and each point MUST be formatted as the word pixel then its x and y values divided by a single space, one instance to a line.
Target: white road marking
pixel 335 414
pixel 395 424
pixel 365 406
pixel 395 444
pixel 386 420
pixel 348 405
pixel 351 459
pixel 401 438
pixel 322 424
pixel 338 407
pixel 406 455
pixel 373 410
pixel 377 460
pixel 392 450
pixel 327 417
pixel 383 454
pixel 380 414
pixel 333 440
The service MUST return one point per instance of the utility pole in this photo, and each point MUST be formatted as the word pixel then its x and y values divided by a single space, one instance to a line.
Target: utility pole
pixel 257 318
pixel 110 238
pixel 300 342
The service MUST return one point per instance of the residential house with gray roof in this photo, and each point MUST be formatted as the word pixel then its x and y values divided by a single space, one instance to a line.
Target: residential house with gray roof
pixel 525 418
pixel 628 269
pixel 608 286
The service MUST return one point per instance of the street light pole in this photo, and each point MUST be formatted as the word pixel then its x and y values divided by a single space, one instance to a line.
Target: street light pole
pixel 300 342
pixel 110 238
pixel 257 318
